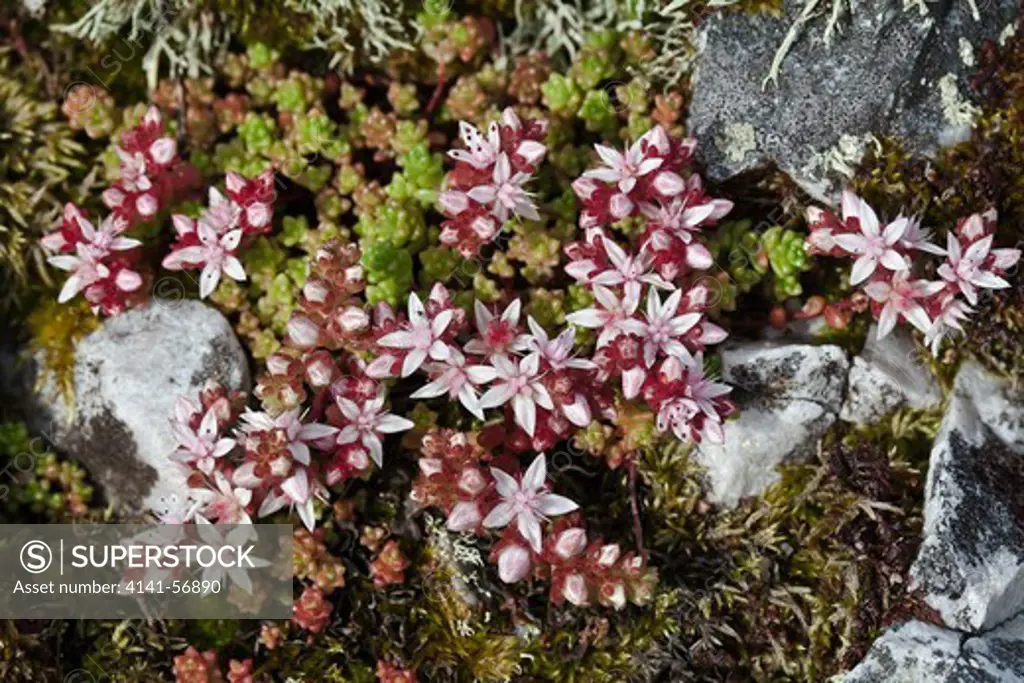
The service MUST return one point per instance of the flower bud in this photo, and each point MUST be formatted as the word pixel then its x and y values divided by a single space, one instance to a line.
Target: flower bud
pixel 570 543
pixel 465 516
pixel 613 594
pixel 303 332
pixel 575 590
pixel 608 554
pixel 353 319
pixel 513 563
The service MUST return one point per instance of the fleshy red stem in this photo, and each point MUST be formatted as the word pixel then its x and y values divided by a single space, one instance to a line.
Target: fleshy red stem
pixel 638 529
pixel 435 99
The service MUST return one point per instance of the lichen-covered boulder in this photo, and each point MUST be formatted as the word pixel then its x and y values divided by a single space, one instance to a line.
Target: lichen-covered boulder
pixel 885 71
pixel 910 653
pixel 888 373
pixel 971 563
pixel 788 395
pixel 128 375
pixel 917 652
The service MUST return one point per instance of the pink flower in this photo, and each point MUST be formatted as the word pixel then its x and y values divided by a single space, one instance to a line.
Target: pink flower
pixel 623 168
pixel 901 299
pixel 506 195
pixel 497 333
pixel 85 270
pixel 203 446
pixel 664 327
pixel 457 380
pixel 916 238
pixel 289 423
pixel 966 269
pixel 951 313
pixel 367 422
pixel 873 245
pixel 526 501
pixel 480 151
pixel 223 215
pixel 609 316
pixel 556 353
pixel 519 382
pixel 216 253
pixel 226 504
pixel 107 238
pixel 682 219
pixel 422 338
pixel 695 405
pixel 630 271
pixel 299 492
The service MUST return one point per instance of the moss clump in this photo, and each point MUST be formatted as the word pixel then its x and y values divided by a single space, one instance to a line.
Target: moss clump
pixel 55 331
pixel 38 154
pixel 799 582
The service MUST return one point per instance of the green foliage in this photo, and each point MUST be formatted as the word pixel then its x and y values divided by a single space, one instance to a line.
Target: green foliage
pixel 38 156
pixel 773 259
pixel 39 486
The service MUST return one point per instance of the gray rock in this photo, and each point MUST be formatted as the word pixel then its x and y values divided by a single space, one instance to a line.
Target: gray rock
pixel 917 652
pixel 128 375
pixel 887 71
pixel 788 395
pixel 999 653
pixel 887 374
pixel 971 563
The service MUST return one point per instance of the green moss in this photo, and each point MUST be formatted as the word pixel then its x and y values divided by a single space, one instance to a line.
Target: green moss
pixel 797 583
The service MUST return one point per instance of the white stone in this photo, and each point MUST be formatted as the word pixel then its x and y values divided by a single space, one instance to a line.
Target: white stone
pixel 918 652
pixel 788 395
pixel 128 375
pixel 971 563
pixel 915 652
pixel 887 374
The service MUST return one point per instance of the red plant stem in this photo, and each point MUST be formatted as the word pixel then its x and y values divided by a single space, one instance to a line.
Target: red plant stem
pixel 435 99
pixel 638 529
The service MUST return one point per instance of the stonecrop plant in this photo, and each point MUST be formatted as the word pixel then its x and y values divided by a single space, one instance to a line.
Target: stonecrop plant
pixel 324 417
pixel 891 263
pixel 481 288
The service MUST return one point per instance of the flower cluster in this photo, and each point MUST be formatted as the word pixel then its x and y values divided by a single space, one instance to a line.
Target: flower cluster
pixel 886 261
pixel 230 222
pixel 150 173
pixel 650 170
pixel 266 465
pixel 102 262
pixel 656 356
pixel 478 498
pixel 330 314
pixel 545 391
pixel 487 185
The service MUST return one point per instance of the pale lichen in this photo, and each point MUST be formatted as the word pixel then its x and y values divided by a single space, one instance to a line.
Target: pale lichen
pixel 956 110
pixel 736 140
pixel 966 51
